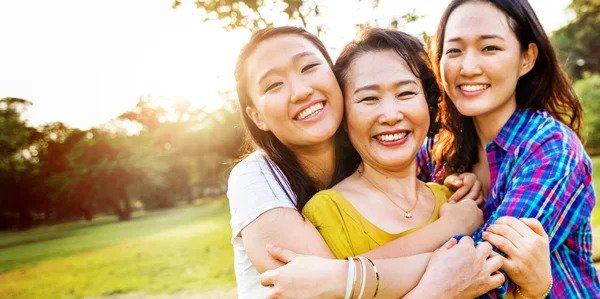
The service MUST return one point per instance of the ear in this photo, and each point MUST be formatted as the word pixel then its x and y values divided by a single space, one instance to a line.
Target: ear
pixel 528 58
pixel 256 118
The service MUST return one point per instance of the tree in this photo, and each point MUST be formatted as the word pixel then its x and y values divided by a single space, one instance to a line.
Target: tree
pixel 578 43
pixel 254 14
pixel 588 90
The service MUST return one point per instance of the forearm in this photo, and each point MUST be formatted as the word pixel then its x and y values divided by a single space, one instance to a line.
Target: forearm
pixel 426 239
pixel 398 276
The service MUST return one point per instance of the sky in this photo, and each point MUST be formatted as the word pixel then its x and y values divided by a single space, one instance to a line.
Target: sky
pixel 84 62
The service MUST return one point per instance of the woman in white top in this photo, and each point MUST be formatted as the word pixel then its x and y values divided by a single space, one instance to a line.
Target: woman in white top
pixel 292 107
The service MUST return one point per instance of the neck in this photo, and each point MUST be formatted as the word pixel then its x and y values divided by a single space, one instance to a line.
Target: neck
pixel 318 161
pixel 488 126
pixel 402 183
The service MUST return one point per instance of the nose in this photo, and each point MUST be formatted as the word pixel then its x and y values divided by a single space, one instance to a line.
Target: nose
pixel 300 90
pixel 470 65
pixel 390 111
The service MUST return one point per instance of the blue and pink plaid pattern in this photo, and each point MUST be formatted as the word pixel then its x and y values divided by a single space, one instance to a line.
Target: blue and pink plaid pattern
pixel 539 169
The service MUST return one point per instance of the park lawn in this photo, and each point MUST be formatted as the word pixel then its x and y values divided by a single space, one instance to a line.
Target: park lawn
pixel 161 252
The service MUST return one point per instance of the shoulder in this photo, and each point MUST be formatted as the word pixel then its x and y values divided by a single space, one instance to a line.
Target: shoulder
pixel 323 200
pixel 440 192
pixel 547 139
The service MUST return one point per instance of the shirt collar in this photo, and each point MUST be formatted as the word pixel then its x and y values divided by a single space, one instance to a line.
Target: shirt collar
pixel 511 132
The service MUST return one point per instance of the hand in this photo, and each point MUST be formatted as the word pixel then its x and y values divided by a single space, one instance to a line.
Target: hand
pixel 464 214
pixel 465 186
pixel 304 276
pixel 461 270
pixel 527 249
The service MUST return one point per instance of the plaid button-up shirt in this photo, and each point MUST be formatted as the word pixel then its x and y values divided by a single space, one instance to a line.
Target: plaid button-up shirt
pixel 539 169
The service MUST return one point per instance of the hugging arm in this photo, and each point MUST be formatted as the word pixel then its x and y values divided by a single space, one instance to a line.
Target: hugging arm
pixel 548 190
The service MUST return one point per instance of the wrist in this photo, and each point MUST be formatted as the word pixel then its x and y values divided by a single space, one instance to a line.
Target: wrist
pixel 338 279
pixel 535 291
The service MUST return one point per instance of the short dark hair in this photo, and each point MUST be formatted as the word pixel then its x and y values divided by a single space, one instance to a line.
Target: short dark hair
pixel 408 47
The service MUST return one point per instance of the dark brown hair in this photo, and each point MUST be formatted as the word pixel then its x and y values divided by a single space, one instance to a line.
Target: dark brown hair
pixel 408 47
pixel 545 86
pixel 279 154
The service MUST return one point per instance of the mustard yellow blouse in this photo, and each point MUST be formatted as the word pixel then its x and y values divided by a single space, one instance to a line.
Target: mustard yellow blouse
pixel 347 232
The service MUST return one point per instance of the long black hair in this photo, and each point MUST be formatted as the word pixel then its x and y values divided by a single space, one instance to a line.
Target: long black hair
pixel 278 154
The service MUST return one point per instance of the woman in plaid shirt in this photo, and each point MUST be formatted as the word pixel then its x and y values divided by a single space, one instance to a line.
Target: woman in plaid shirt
pixel 510 116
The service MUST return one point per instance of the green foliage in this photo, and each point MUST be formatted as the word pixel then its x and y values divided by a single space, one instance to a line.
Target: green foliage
pixel 159 252
pixel 55 173
pixel 256 14
pixel 578 43
pixel 588 90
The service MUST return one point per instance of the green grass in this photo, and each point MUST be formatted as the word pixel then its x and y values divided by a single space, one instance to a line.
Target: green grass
pixel 175 251
pixel 161 252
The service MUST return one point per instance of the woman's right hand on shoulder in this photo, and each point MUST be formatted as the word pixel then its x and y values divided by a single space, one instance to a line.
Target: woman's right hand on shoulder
pixel 460 270
pixel 465 214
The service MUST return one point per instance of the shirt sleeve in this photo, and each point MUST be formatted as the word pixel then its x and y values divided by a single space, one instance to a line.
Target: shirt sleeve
pixel 550 189
pixel 324 213
pixel 425 162
pixel 253 188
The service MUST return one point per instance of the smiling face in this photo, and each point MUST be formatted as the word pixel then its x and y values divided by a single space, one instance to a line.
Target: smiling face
pixel 482 61
pixel 294 92
pixel 387 116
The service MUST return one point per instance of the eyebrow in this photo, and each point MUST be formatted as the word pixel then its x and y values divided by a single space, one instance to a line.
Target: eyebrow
pixel 294 58
pixel 376 86
pixel 485 36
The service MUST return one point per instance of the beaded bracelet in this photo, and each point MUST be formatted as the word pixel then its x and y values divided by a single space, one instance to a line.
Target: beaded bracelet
pixel 351 278
pixel 542 297
pixel 376 276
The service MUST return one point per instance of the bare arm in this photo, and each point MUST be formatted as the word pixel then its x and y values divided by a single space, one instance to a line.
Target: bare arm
pixel 309 276
pixel 286 228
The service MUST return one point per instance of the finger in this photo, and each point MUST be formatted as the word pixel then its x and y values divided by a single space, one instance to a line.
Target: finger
pixel 449 244
pixel 507 232
pixel 471 180
pixel 484 249
pixel 535 226
pixel 519 226
pixel 281 254
pixel 459 194
pixel 501 243
pixel 466 241
pixel 496 280
pixel 493 264
pixel 453 182
pixel 267 278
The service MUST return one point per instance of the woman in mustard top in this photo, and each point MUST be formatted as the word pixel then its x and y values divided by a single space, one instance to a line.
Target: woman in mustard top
pixel 389 110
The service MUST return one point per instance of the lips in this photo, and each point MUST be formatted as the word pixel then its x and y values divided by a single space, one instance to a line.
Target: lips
pixel 310 110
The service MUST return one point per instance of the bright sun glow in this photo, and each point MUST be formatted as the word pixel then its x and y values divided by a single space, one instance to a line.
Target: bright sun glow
pixel 86 62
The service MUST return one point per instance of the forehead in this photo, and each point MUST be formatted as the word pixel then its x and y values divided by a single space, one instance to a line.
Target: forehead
pixel 474 19
pixel 278 51
pixel 378 67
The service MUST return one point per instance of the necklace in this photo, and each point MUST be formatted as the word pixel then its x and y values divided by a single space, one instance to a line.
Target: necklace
pixel 407 213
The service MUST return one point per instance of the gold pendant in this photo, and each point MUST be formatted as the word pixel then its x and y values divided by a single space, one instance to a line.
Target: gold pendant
pixel 407 215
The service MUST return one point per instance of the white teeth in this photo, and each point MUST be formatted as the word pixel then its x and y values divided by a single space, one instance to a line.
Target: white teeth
pixel 476 87
pixel 310 111
pixel 391 137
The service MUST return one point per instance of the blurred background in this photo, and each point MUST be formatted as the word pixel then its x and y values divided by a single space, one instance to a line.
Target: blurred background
pixel 118 126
